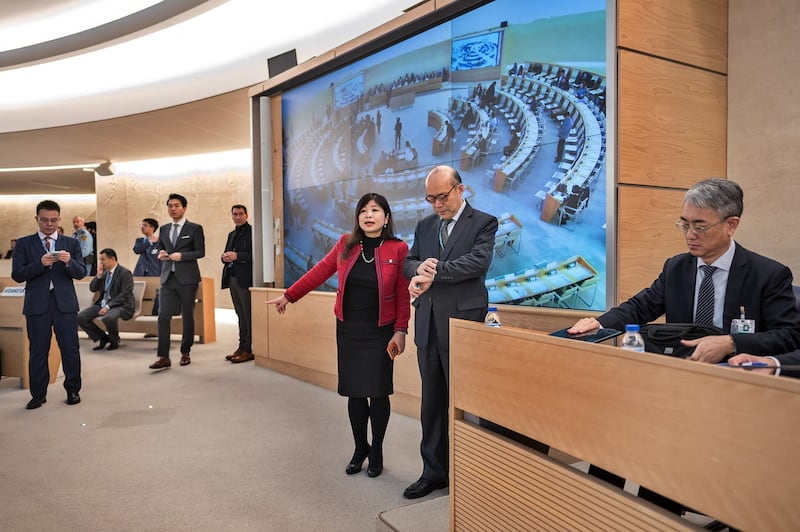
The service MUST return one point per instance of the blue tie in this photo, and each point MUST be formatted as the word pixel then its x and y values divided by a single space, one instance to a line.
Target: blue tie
pixel 105 291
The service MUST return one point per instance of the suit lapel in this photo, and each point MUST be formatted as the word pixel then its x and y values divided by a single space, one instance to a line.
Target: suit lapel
pixel 458 228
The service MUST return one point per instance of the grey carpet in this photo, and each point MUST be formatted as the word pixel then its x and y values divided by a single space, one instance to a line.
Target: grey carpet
pixel 210 446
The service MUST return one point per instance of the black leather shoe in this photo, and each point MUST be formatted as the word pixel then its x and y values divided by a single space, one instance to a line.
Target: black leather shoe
pixel 73 398
pixel 356 462
pixel 374 471
pixel 36 402
pixel 423 487
pixel 102 345
pixel 113 345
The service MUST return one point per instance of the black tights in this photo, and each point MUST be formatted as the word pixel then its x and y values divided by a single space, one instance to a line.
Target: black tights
pixel 375 410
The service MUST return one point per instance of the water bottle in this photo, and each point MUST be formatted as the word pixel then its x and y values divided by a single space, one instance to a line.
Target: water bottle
pixel 492 318
pixel 632 340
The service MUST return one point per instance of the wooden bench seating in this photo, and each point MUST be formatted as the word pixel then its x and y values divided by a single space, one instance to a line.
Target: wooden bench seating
pixel 144 289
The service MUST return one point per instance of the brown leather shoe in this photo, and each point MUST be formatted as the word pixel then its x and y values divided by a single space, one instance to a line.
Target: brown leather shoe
pixel 235 353
pixel 162 362
pixel 244 356
pixel 185 360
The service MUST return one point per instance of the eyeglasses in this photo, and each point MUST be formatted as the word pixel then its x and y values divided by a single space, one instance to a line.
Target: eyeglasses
pixel 699 230
pixel 441 198
pixel 48 220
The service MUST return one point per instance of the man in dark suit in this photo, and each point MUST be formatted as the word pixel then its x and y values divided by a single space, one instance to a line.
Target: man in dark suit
pixel 447 266
pixel 180 245
pixel 741 279
pixel 47 263
pixel 237 274
pixel 114 285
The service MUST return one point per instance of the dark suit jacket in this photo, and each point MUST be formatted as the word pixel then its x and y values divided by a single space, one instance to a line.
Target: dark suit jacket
pixel 242 243
pixel 792 358
pixel 120 293
pixel 458 290
pixel 192 246
pixel 761 285
pixel 27 267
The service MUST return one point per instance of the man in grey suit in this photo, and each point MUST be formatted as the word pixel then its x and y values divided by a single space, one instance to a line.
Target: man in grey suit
pixel 114 283
pixel 447 266
pixel 180 245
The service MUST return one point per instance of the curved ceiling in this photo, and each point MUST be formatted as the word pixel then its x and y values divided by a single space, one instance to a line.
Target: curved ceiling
pixel 159 57
pixel 134 79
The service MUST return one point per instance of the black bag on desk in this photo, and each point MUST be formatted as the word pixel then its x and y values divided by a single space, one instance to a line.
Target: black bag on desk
pixel 665 338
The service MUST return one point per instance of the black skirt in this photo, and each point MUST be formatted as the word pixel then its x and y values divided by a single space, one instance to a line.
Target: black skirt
pixel 365 369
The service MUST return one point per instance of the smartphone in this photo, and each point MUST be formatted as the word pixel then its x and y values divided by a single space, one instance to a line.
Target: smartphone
pixel 393 350
pixel 54 253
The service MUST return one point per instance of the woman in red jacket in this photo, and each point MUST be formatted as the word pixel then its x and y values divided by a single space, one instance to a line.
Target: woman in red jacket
pixel 369 264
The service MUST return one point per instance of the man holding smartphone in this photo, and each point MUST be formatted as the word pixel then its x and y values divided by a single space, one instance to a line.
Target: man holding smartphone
pixel 47 263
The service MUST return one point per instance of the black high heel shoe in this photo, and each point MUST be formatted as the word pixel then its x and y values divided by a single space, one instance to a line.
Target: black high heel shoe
pixel 375 463
pixel 356 462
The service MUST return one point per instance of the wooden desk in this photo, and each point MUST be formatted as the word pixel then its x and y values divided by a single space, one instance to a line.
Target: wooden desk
pixel 14 345
pixel 716 439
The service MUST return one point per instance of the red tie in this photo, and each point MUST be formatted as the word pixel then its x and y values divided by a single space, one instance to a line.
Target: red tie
pixel 47 243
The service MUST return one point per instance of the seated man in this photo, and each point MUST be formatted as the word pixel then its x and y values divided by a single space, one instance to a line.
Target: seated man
pixel 737 278
pixel 114 283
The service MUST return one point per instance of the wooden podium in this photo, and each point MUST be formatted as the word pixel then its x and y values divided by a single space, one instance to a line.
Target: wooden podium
pixel 719 440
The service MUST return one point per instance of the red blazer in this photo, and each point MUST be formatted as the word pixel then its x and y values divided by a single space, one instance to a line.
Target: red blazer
pixel 392 285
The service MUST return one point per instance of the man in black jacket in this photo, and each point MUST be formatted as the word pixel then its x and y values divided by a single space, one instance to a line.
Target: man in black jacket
pixel 237 274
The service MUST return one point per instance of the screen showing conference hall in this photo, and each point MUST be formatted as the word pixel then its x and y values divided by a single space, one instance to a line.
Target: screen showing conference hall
pixel 523 84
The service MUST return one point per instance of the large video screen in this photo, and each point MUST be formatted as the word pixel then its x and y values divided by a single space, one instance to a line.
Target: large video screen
pixel 523 84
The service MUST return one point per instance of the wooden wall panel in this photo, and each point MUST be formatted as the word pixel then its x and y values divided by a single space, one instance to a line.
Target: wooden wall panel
pixel 647 236
pixel 689 31
pixel 672 122
pixel 763 117
pixel 502 485
pixel 302 343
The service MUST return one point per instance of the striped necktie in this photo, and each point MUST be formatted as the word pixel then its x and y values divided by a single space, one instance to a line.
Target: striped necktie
pixel 443 233
pixel 705 297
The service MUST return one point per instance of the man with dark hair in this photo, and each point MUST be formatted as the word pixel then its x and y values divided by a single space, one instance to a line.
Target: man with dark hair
pixel 146 247
pixel 148 264
pixel 47 263
pixel 114 285
pixel 237 274
pixel 180 245
pixel 447 266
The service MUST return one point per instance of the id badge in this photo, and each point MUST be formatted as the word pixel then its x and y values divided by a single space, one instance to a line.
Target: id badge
pixel 742 326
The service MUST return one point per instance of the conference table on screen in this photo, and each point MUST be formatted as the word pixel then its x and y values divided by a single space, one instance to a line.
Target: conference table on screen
pixel 535 282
